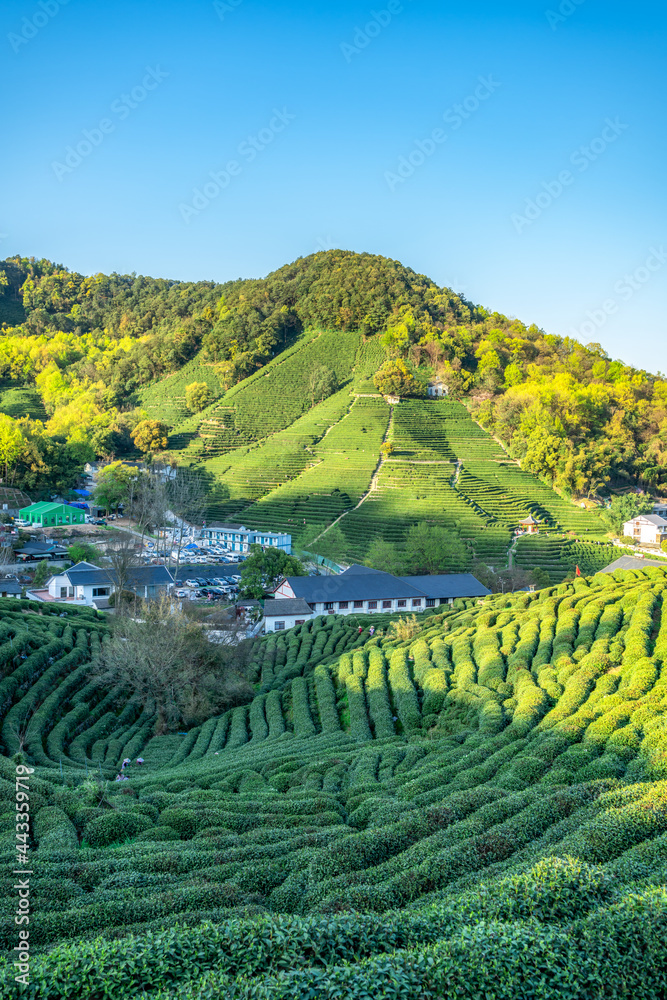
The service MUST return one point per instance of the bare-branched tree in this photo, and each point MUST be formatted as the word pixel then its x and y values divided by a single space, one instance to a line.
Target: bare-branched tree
pixel 166 661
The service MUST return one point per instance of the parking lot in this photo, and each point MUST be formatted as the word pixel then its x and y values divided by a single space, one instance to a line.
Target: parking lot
pixel 210 582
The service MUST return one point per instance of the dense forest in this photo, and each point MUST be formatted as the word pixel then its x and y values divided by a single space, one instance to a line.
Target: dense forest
pixel 82 348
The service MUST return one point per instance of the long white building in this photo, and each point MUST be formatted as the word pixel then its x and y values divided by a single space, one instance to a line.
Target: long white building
pixel 360 590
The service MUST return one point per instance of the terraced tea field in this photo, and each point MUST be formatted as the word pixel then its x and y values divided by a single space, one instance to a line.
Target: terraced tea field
pixel 560 556
pixel 282 463
pixel 479 810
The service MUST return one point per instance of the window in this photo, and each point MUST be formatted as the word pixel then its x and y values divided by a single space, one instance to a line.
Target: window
pixel 100 591
pixel 401 604
pixel 300 621
pixel 328 606
pixel 416 602
pixel 372 605
pixel 279 626
pixel 430 602
pixel 386 604
pixel 358 604
pixel 63 591
pixel 343 605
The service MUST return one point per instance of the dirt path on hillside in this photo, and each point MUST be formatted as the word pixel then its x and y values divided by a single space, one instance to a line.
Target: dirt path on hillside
pixel 373 483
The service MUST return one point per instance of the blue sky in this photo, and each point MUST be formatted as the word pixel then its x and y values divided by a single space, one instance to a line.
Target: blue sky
pixel 513 151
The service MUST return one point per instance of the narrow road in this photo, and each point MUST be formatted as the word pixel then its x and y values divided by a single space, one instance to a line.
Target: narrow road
pixel 373 483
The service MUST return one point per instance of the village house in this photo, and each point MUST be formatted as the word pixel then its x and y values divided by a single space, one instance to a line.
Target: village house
pixel 437 388
pixel 237 538
pixel 286 613
pixel 92 586
pixel 647 529
pixel 33 551
pixel 360 590
pixel 10 588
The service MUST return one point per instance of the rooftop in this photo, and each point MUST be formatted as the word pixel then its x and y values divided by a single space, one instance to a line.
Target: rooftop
pixel 360 583
pixel 279 608
pixel 631 562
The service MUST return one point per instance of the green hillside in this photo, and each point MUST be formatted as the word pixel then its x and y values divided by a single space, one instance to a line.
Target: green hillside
pixel 291 433
pixel 302 475
pixel 476 809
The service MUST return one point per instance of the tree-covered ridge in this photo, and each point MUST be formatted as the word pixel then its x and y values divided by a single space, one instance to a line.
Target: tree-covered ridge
pixel 90 347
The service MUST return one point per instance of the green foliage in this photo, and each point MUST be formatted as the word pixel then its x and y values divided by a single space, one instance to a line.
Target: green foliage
pixel 197 396
pixel 83 552
pixel 264 568
pixel 150 436
pixel 626 507
pixel 396 378
pixel 42 573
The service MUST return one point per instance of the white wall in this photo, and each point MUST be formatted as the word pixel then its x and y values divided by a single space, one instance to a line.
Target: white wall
pixel 290 622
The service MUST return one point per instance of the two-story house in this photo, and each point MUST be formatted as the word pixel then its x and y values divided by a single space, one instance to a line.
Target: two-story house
pixel 647 529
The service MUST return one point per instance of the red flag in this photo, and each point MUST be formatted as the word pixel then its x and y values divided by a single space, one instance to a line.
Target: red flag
pixel 578 573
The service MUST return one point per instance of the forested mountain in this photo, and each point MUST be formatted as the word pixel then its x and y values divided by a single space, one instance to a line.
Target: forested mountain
pixel 85 350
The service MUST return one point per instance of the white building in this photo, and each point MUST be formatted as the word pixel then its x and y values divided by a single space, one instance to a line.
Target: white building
pixel 237 538
pixel 437 388
pixel 91 586
pixel 360 590
pixel 647 529
pixel 284 614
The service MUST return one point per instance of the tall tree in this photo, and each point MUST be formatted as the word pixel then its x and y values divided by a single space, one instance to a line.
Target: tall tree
pixel 169 665
pixel 150 436
pixel 264 568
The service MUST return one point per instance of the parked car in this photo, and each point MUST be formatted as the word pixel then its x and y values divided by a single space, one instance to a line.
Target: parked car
pixel 181 593
pixel 192 583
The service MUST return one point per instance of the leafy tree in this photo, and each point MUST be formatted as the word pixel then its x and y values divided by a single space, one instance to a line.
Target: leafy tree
pixel 150 436
pixel 430 549
pixel 322 383
pixel 264 568
pixel 385 556
pixel 625 508
pixel 387 448
pixel 197 396
pixel 12 442
pixel 396 378
pixel 113 485
pixel 83 552
pixel 541 578
pixel 42 574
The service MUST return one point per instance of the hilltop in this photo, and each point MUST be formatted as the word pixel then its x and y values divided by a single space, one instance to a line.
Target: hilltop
pixel 473 805
pixel 268 386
